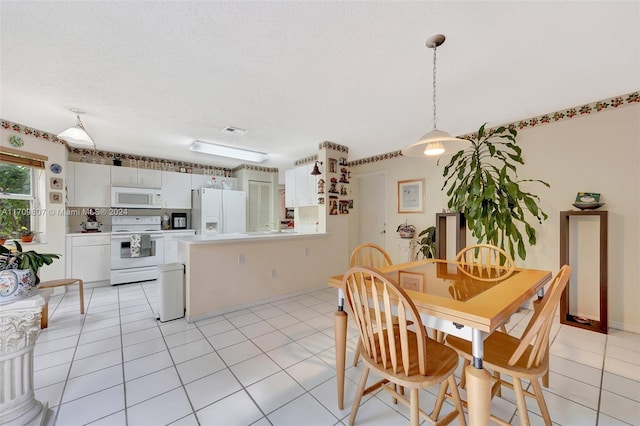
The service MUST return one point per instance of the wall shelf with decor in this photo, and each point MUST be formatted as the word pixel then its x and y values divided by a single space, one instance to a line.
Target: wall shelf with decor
pixel 566 317
pixel 441 233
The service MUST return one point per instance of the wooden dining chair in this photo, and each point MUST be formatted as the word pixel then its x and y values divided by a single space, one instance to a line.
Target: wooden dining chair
pixel 485 262
pixel 368 254
pixel 522 359
pixel 402 355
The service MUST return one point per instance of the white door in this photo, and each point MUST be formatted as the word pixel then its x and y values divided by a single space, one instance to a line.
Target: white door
pixel 371 207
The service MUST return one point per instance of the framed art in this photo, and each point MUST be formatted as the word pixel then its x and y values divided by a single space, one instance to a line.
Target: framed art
pixel 55 197
pixel 411 196
pixel 413 281
pixel 56 183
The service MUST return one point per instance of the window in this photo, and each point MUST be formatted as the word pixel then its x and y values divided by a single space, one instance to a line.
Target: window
pixel 17 199
pixel 21 181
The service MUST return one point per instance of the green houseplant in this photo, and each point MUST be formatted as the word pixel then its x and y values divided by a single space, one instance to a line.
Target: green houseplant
pixel 482 183
pixel 19 259
pixel 426 243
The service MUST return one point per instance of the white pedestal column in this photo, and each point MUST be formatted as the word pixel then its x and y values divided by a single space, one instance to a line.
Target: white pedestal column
pixel 19 329
pixel 406 246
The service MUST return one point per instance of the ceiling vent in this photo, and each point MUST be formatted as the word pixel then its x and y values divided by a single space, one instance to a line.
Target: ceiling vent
pixel 231 130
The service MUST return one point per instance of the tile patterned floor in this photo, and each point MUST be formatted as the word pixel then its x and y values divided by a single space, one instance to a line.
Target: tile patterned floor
pixel 273 365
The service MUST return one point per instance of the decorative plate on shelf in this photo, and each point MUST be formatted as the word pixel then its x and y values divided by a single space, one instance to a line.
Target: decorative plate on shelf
pixel 56 168
pixel 588 206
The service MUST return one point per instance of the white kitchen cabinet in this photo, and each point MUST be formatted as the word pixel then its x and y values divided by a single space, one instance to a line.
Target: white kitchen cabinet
pixel 290 188
pixel 71 184
pixel 171 245
pixel 89 257
pixel 91 185
pixel 199 181
pixel 132 176
pixel 176 190
pixel 300 187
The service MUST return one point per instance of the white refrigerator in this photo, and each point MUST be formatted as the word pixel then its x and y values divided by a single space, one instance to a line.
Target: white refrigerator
pixel 218 211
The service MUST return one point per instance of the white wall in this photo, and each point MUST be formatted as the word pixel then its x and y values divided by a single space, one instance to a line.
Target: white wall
pixel 52 240
pixel 594 153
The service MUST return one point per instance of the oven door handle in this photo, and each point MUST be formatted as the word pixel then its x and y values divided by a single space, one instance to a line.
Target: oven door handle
pixel 128 236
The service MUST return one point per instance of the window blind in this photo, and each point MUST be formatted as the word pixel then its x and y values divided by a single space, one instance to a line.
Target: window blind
pixel 22 158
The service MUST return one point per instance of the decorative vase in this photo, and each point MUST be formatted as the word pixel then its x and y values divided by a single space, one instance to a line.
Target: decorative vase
pixel 16 284
pixel 26 238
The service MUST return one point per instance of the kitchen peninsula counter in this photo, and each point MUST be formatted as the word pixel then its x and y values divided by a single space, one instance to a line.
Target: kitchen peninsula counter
pixel 227 272
pixel 248 236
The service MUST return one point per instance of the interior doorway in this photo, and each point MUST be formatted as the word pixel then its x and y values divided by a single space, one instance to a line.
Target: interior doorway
pixel 372 211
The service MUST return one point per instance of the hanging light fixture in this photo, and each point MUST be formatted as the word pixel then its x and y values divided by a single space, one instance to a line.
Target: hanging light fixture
pixel 433 142
pixel 316 171
pixel 77 135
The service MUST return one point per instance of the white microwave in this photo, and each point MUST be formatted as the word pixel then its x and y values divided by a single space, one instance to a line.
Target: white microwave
pixel 136 198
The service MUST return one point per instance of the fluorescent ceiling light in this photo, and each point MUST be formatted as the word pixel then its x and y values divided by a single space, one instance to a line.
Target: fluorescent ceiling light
pixel 228 151
pixel 77 135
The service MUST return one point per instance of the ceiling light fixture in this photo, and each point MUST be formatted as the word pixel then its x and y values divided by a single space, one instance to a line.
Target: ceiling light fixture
pixel 77 135
pixel 433 142
pixel 228 151
pixel 316 171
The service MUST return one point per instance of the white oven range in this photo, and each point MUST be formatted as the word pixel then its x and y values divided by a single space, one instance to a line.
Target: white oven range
pixel 142 265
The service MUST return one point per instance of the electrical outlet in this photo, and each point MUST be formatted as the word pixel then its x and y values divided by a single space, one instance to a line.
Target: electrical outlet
pixel 241 259
pixel 273 273
pixel 306 251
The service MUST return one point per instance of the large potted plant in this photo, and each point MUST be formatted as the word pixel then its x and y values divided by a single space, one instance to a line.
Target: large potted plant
pixel 483 184
pixel 19 272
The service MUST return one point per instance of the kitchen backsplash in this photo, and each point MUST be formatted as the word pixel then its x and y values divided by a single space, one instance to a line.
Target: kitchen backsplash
pixel 77 215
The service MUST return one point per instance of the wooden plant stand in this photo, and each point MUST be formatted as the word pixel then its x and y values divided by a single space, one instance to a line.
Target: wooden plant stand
pixel 565 316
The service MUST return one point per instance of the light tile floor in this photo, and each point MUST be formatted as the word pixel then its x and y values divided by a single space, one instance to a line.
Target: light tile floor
pixel 273 364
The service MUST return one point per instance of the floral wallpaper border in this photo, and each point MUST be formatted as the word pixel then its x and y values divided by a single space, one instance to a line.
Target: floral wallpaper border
pixel 579 111
pixel 334 146
pixel 18 128
pixel 575 112
pixel 307 160
pixel 256 168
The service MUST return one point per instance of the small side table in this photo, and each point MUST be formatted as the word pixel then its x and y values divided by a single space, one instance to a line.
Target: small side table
pixel 600 325
pixel 441 233
pixel 19 329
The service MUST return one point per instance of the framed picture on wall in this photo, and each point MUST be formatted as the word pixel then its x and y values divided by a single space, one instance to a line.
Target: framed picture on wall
pixel 56 183
pixel 411 196
pixel 55 197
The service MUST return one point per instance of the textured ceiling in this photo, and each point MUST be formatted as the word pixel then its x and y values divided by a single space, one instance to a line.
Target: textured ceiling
pixel 154 76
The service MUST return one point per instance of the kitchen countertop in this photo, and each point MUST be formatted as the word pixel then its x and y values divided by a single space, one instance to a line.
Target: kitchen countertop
pixel 248 236
pixel 85 234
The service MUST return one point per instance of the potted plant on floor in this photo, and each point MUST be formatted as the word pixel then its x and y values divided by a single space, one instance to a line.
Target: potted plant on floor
pixel 19 272
pixel 483 184
pixel 426 243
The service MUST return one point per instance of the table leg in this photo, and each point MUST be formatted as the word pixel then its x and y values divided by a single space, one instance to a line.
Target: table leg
pixel 478 395
pixel 478 383
pixel 340 336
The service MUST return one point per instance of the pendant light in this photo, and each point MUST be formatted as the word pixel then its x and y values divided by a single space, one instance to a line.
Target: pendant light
pixel 76 135
pixel 316 171
pixel 433 142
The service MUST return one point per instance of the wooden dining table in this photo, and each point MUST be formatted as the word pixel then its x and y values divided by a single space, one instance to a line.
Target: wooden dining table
pixel 453 303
